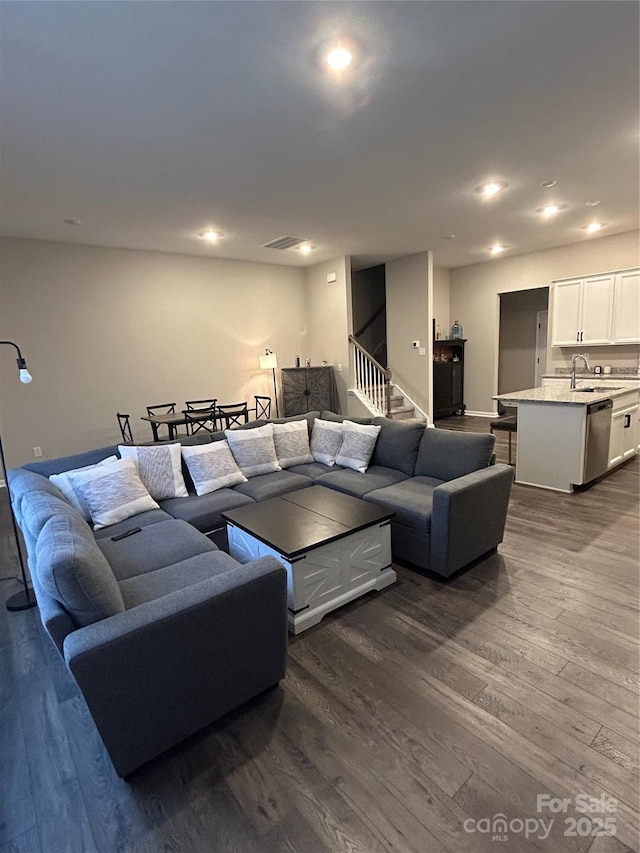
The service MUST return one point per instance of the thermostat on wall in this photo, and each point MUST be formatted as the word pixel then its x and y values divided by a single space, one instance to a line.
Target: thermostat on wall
pixel 331 276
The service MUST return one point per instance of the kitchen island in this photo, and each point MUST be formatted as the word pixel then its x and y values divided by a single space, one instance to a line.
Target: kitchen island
pixel 559 437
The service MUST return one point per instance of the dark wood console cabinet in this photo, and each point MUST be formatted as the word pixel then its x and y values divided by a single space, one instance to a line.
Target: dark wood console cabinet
pixel 448 378
pixel 308 389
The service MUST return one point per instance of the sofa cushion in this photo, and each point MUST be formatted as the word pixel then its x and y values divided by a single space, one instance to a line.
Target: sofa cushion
pixel 112 492
pixel 357 445
pixel 212 467
pixel 159 468
pixel 309 417
pixel 274 484
pixel 203 511
pixel 411 500
pixel 22 481
pixel 292 443
pixel 64 483
pixel 47 467
pixel 254 450
pixel 142 588
pixel 326 440
pixel 397 445
pixel 447 455
pixel 314 469
pixel 338 419
pixel 354 483
pixel 153 547
pixel 143 519
pixel 37 508
pixel 72 569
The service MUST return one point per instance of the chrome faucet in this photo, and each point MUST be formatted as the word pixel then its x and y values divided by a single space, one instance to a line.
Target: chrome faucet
pixel 572 387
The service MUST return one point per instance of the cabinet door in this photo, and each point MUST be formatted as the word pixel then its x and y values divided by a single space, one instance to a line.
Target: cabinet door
pixel 567 299
pixel 597 310
pixel 623 441
pixel 320 395
pixel 294 391
pixel 626 308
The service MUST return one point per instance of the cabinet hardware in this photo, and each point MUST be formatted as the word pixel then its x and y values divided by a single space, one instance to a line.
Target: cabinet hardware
pixel 627 421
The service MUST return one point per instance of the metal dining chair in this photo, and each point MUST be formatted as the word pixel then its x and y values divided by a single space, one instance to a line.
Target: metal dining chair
pixel 232 414
pixel 125 426
pixel 262 407
pixel 200 415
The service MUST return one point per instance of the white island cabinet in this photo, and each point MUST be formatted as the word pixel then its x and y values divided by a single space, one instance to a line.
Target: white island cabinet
pixel 552 432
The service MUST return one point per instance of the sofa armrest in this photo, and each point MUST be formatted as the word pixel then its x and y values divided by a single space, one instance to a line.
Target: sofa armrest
pixel 161 671
pixel 468 517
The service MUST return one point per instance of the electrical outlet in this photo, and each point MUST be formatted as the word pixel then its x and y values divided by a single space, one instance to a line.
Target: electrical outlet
pixel 422 351
pixel 37 451
pixel 415 344
pixel 339 368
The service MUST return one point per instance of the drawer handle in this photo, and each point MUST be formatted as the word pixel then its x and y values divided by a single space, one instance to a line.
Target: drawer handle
pixel 627 421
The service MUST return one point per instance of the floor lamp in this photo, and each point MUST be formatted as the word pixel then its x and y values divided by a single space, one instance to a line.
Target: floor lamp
pixel 25 599
pixel 269 361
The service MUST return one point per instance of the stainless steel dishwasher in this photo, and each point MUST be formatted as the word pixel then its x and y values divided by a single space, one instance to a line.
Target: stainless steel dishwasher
pixel 596 451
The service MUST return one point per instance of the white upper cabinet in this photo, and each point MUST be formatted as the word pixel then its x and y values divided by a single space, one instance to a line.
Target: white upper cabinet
pixel 626 308
pixel 597 310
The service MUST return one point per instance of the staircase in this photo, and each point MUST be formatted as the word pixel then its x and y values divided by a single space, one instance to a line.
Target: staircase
pixel 376 392
pixel 401 409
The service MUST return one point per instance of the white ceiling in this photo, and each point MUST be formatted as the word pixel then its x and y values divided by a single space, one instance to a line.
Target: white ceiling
pixel 149 121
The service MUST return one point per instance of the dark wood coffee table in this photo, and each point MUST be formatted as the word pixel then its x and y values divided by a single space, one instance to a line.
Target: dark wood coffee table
pixel 333 546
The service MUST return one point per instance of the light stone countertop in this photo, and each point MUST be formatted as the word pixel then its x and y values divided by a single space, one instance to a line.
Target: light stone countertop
pixel 563 395
pixel 593 378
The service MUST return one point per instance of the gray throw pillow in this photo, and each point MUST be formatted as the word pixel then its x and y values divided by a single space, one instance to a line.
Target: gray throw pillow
pixel 397 445
pixel 72 569
pixel 212 467
pixel 159 467
pixel 326 440
pixel 254 450
pixel 357 445
pixel 112 492
pixel 292 443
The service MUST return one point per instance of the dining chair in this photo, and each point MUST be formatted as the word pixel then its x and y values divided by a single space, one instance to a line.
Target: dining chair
pixel 164 409
pixel 125 426
pixel 202 420
pixel 262 407
pixel 232 414
pixel 198 405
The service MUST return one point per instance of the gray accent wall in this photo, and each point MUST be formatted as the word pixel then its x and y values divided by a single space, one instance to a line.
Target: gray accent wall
pixel 518 318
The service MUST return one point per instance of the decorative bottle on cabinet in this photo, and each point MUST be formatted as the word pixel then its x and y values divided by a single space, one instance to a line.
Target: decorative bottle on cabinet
pixel 456 331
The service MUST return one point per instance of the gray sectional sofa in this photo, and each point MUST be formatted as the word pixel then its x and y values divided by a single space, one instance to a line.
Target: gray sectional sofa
pixel 164 632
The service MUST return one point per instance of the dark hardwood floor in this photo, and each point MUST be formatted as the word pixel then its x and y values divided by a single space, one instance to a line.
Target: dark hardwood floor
pixel 406 719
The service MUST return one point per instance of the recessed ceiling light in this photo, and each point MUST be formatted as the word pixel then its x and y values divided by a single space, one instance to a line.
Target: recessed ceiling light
pixel 491 189
pixel 497 248
pixel 593 227
pixel 548 184
pixel 339 58
pixel 305 248
pixel 593 203
pixel 449 237
pixel 210 235
pixel 550 209
pixel 72 222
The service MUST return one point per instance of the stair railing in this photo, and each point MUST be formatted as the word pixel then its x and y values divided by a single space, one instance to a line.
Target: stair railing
pixel 372 380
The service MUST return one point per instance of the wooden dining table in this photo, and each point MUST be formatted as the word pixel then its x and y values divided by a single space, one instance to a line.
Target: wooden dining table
pixel 172 422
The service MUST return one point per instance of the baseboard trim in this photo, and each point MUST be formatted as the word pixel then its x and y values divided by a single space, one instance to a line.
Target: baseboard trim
pixel 481 414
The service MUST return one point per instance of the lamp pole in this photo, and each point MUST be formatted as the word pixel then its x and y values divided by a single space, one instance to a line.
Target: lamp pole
pixel 24 599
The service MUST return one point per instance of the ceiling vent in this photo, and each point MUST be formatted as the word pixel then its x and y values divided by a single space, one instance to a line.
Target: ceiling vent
pixel 285 242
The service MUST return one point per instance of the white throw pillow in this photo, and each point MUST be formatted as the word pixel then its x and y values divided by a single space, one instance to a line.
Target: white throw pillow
pixel 326 441
pixel 113 492
pixel 63 482
pixel 212 467
pixel 357 445
pixel 254 450
pixel 160 469
pixel 292 443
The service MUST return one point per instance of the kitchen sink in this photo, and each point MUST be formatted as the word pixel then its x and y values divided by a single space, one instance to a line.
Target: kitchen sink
pixel 592 389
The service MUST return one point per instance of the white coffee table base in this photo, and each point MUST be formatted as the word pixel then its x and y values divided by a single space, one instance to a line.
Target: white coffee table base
pixel 326 577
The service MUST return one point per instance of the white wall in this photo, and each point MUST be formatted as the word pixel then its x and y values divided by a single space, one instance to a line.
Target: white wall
pixel 409 318
pixel 329 320
pixel 475 301
pixel 107 330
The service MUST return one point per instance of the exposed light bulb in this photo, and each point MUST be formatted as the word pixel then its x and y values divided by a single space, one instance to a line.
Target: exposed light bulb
pixel 25 376
pixel 339 58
